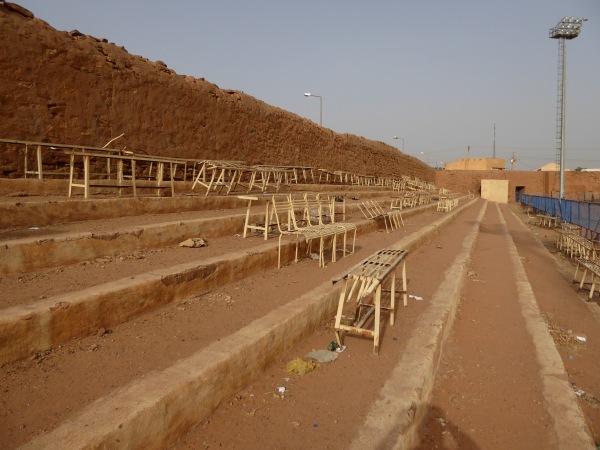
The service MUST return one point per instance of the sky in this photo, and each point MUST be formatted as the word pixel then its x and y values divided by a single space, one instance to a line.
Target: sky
pixel 440 75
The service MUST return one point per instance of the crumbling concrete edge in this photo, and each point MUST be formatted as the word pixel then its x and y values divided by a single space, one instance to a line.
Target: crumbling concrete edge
pixel 570 427
pixel 154 412
pixel 394 419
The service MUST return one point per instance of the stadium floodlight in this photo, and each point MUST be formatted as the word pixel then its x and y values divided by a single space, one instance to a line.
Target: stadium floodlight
pixel 568 28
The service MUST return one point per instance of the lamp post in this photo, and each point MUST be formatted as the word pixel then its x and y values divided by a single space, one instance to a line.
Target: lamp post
pixel 398 137
pixel 426 156
pixel 567 28
pixel 308 94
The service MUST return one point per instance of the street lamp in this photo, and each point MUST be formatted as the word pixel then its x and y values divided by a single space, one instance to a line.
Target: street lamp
pixel 426 156
pixel 567 28
pixel 308 94
pixel 398 137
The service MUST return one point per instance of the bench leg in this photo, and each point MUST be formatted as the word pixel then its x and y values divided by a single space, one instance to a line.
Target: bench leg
pixel 338 317
pixel 377 320
pixel 246 222
pixel 279 253
pixel 404 283
pixel 575 275
pixel 583 278
pixel 393 299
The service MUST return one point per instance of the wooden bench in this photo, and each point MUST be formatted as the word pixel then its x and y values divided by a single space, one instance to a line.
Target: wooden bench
pixel 366 281
pixel 447 203
pixel 547 220
pixel 577 246
pixel 562 234
pixel 120 183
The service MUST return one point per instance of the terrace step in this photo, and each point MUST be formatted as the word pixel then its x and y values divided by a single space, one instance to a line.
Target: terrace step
pixel 57 245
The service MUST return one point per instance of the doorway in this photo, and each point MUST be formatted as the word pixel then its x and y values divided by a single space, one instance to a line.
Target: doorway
pixel 518 191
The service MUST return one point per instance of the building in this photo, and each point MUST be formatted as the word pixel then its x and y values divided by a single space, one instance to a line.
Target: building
pixel 550 167
pixel 477 164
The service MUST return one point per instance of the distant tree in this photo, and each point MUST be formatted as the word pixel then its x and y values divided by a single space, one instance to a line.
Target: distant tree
pixel 579 169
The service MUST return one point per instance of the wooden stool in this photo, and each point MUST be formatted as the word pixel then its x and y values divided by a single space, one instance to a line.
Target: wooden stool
pixel 257 227
pixel 368 276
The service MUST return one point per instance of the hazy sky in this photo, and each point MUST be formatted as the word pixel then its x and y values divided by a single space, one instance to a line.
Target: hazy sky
pixel 436 73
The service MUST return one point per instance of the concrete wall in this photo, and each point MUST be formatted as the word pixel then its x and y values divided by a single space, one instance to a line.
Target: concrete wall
pixel 578 185
pixel 495 190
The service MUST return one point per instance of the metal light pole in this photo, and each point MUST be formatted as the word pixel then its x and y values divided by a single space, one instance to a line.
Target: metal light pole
pixel 567 28
pixel 426 156
pixel 398 137
pixel 308 94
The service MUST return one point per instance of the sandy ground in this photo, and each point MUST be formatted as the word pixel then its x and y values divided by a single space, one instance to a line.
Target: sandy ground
pixel 487 378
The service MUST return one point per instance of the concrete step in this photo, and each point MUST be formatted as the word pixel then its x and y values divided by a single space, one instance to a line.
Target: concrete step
pixel 52 246
pixel 27 211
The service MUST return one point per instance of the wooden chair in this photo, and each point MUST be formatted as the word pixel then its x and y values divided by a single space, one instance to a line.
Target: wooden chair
pixel 283 208
pixel 314 216
pixel 326 215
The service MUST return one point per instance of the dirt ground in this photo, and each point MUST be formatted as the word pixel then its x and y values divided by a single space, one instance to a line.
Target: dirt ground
pixel 325 407
pixel 487 392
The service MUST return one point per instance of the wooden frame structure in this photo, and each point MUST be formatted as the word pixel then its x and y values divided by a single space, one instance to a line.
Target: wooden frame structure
pixel 218 175
pixel 123 161
pixel 263 227
pixel 447 203
pixel 213 175
pixel 373 211
pixel 326 210
pixel 366 280
pixel 283 207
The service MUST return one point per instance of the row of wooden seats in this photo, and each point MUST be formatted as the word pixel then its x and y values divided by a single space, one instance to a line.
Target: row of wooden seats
pixel 571 242
pixel 447 203
pixel 585 251
pixel 407 200
pixel 372 210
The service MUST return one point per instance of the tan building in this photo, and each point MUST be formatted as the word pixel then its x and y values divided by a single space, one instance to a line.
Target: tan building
pixel 550 167
pixel 477 164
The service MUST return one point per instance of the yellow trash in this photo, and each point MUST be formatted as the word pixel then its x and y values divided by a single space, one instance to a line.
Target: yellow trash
pixel 300 366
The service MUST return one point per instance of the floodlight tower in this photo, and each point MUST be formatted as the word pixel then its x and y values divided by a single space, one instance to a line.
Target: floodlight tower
pixel 567 28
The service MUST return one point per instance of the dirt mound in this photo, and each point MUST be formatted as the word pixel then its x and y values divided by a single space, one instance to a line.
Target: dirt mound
pixel 72 88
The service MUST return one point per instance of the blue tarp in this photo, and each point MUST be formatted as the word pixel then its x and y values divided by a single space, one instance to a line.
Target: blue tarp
pixel 584 214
